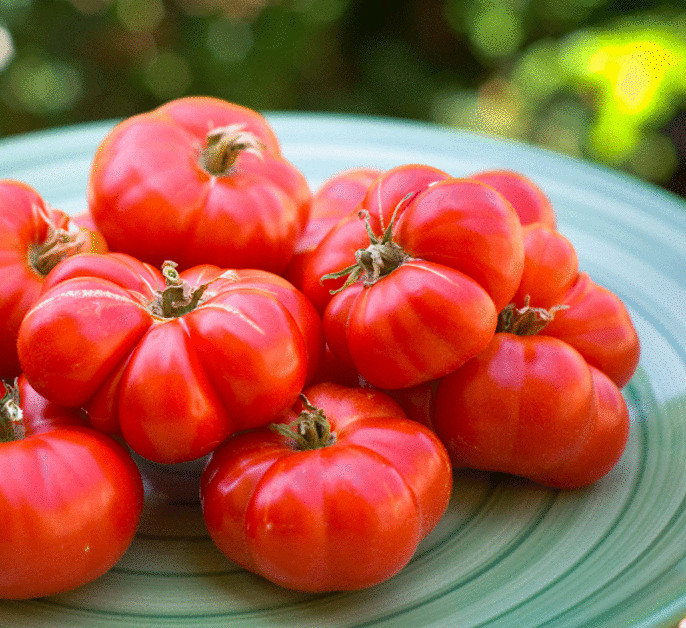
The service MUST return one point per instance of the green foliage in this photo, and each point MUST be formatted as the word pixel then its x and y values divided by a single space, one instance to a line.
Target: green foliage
pixel 580 76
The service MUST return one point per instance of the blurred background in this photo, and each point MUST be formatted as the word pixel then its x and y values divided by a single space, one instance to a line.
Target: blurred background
pixel 590 78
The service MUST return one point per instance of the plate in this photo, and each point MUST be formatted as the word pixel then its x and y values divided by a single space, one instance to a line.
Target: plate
pixel 507 553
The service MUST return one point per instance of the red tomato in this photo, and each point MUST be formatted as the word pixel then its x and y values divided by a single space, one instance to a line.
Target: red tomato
pixel 198 180
pixel 435 261
pixel 597 324
pixel 337 500
pixel 175 365
pixel 70 500
pixel 532 406
pixel 337 197
pixel 33 239
pixel 551 267
pixel 528 200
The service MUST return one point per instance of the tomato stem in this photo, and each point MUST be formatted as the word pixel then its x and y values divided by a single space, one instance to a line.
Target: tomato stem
pixel 379 259
pixel 311 430
pixel 178 297
pixel 224 144
pixel 11 416
pixel 58 244
pixel 527 320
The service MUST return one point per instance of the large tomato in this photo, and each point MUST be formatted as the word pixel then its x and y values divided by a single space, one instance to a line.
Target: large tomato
pixel 70 498
pixel 338 498
pixel 34 238
pixel 198 180
pixel 336 198
pixel 175 363
pixel 530 404
pixel 429 261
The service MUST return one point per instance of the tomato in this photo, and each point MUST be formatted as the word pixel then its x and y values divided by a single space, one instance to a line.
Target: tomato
pixel 337 497
pixel 598 325
pixel 198 180
pixel 551 267
pixel 33 239
pixel 528 200
pixel 176 363
pixel 70 499
pixel 529 404
pixel 434 259
pixel 337 197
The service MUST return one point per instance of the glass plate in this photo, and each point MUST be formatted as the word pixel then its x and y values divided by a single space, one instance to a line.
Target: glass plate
pixel 507 553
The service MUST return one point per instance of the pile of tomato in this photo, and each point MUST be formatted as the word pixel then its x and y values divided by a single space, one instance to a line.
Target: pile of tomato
pixel 336 355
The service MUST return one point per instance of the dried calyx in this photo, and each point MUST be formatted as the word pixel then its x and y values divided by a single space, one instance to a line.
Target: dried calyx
pixel 11 416
pixel 224 145
pixel 379 259
pixel 58 244
pixel 527 320
pixel 311 430
pixel 178 297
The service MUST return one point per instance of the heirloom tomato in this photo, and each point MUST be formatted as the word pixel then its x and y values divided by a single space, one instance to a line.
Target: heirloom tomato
pixel 337 197
pixel 176 362
pixel 335 497
pixel 419 275
pixel 198 180
pixel 70 497
pixel 528 200
pixel 34 238
pixel 530 404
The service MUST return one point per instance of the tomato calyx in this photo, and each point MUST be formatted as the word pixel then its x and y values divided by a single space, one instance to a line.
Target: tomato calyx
pixel 311 430
pixel 527 320
pixel 178 297
pixel 223 145
pixel 11 415
pixel 58 244
pixel 379 259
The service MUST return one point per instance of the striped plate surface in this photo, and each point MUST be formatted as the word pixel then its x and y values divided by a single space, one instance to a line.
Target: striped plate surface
pixel 507 553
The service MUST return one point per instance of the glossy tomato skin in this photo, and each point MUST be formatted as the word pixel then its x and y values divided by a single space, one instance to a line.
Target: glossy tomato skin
pixel 598 325
pixel 153 197
pixel 174 386
pixel 70 501
pixel 342 517
pixel 531 406
pixel 527 198
pixel 463 259
pixel 27 225
pixel 336 198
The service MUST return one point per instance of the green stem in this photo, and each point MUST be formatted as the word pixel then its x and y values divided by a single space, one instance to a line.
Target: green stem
pixel 58 245
pixel 178 297
pixel 11 416
pixel 224 144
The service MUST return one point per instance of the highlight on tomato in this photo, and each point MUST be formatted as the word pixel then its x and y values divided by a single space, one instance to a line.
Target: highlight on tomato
pixel 335 495
pixel 71 498
pixel 198 180
pixel 411 286
pixel 531 405
pixel 175 362
pixel 34 238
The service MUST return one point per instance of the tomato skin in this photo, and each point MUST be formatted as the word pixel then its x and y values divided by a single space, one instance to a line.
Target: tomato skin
pixel 301 518
pixel 70 502
pixel 152 197
pixel 176 386
pixel 27 222
pixel 529 201
pixel 336 198
pixel 598 325
pixel 531 406
pixel 551 266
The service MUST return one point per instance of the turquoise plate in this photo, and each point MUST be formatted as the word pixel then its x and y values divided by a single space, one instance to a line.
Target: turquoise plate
pixel 507 553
